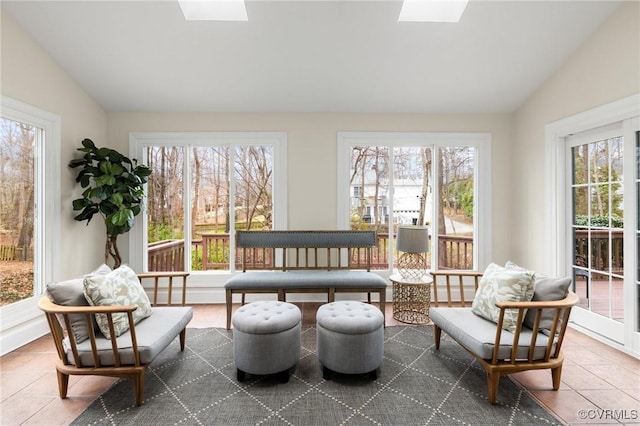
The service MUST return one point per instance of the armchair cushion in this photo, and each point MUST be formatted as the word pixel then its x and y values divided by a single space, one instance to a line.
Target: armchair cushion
pixel 71 293
pixel 152 336
pixel 478 335
pixel 546 289
pixel 120 287
pixel 499 284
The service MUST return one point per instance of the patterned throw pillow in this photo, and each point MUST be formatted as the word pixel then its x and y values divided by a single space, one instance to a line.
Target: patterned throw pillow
pixel 118 288
pixel 499 284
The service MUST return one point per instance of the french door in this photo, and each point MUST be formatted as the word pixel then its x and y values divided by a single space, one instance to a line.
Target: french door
pixel 602 230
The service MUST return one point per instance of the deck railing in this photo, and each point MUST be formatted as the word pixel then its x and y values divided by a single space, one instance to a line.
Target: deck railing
pixel 454 252
pixel 212 252
pixel 600 242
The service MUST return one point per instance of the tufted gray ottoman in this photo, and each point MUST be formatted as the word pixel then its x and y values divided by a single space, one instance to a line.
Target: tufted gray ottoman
pixel 266 338
pixel 350 338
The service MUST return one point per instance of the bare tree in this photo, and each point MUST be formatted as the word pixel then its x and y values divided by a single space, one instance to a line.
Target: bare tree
pixel 17 189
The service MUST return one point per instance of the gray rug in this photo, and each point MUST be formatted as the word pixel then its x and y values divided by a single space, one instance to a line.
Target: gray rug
pixel 416 385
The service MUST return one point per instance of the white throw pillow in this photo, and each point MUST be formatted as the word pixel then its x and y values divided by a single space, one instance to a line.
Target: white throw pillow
pixel 120 287
pixel 499 284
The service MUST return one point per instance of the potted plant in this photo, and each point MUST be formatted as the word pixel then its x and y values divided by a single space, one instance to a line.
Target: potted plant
pixel 114 188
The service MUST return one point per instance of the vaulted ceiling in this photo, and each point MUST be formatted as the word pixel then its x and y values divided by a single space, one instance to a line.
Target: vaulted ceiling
pixel 309 56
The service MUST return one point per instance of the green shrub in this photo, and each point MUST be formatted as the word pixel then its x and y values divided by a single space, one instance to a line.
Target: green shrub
pixel 600 221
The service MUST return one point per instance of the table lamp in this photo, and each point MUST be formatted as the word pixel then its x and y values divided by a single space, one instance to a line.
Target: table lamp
pixel 413 241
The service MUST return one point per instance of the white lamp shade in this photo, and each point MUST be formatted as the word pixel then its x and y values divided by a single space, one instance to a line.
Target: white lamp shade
pixel 413 239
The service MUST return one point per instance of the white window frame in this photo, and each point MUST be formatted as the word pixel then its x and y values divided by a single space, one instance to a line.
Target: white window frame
pixel 202 282
pixel 557 214
pixel 482 183
pixel 22 321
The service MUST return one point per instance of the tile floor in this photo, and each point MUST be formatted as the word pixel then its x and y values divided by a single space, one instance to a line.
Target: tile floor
pixel 600 385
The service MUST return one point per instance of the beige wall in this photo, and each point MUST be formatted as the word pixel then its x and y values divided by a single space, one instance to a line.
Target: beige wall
pixel 605 68
pixel 29 75
pixel 312 152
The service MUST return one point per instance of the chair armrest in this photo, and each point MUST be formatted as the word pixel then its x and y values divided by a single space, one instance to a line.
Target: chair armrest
pixel 48 306
pixel 157 276
pixel 461 277
pixel 561 311
pixel 57 314
pixel 570 300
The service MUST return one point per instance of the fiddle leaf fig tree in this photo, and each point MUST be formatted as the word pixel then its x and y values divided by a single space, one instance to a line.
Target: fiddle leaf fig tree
pixel 113 187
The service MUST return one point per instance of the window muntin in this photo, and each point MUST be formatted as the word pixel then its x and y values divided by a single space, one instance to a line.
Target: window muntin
pixel 597 225
pixel 231 185
pixel 397 174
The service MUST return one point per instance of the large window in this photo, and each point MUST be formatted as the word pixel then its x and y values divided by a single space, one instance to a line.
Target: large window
pixel 421 179
pixel 18 147
pixel 29 215
pixel 203 188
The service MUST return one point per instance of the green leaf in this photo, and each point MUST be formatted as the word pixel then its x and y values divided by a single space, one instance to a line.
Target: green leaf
pixel 105 180
pixel 116 199
pixel 77 163
pixel 117 169
pixel 80 203
pixel 88 143
pixel 103 153
pixel 101 193
pixel 85 180
pixel 122 217
pixel 106 167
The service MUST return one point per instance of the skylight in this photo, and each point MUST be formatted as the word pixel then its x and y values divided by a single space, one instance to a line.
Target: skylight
pixel 432 10
pixel 213 10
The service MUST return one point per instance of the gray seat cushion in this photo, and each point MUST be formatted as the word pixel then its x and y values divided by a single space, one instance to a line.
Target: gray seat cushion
pixel 275 280
pixel 266 317
pixel 153 335
pixel 347 317
pixel 478 334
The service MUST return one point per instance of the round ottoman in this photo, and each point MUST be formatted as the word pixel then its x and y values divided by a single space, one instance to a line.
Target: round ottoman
pixel 350 338
pixel 266 338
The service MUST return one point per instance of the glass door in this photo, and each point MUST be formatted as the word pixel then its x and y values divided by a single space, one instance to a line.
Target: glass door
pixel 604 231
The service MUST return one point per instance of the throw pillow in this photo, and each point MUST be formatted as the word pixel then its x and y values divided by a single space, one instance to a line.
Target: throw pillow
pixel 545 289
pixel 70 293
pixel 120 287
pixel 499 284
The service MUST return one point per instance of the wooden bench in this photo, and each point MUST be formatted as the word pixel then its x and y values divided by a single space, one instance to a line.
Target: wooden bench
pixel 284 262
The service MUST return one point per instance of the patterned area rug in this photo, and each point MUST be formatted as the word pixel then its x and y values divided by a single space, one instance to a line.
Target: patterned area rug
pixel 416 385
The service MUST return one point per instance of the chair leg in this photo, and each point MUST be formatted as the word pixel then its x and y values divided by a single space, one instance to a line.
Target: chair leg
pixel 437 332
pixel 229 300
pixel 183 338
pixel 493 380
pixel 138 387
pixel 555 376
pixel 63 384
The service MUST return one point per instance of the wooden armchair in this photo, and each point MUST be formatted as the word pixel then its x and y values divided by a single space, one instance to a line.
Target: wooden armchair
pixel 499 351
pixel 126 356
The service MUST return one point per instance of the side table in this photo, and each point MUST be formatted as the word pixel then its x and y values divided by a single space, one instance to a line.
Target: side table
pixel 411 299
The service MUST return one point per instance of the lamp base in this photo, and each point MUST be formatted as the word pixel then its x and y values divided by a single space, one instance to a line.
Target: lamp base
pixel 412 266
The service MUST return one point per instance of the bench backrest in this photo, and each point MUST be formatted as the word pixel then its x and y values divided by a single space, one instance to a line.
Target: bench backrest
pixel 299 250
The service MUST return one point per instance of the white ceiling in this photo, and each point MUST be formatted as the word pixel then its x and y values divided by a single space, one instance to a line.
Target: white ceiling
pixel 310 56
